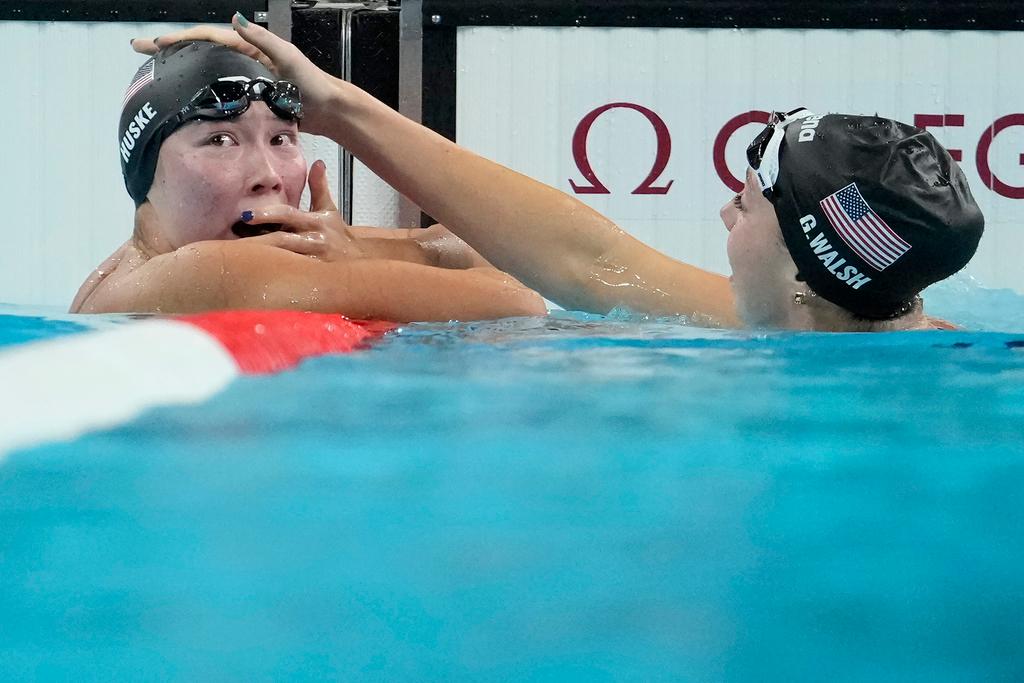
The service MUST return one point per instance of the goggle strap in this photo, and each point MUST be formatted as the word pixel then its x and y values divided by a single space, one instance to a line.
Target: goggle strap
pixel 768 170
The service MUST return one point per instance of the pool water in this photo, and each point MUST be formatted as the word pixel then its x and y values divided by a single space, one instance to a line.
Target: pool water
pixel 576 498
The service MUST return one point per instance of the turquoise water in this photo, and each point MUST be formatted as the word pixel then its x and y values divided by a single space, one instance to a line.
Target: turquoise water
pixel 21 329
pixel 568 499
pixel 24 324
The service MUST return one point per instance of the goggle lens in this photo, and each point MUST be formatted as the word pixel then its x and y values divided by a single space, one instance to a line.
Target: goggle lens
pixel 225 99
pixel 287 98
pixel 756 149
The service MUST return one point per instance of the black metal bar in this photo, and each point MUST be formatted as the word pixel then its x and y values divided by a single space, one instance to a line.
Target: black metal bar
pixel 908 14
pixel 375 54
pixel 439 84
pixel 439 81
pixel 183 11
pixel 317 32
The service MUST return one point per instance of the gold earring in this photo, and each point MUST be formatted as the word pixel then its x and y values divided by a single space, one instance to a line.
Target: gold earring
pixel 801 298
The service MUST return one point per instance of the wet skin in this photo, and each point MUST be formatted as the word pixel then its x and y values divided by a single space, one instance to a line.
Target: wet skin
pixel 184 255
pixel 763 273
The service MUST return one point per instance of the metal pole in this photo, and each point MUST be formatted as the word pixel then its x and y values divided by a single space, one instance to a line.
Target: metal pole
pixel 345 158
pixel 279 18
pixel 410 85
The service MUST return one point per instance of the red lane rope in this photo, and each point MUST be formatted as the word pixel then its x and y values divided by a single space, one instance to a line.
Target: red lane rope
pixel 270 341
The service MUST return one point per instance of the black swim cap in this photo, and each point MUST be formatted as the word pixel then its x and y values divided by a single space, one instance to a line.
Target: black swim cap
pixel 162 86
pixel 872 211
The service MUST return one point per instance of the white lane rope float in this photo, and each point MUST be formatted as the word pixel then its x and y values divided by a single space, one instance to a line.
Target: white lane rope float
pixel 62 388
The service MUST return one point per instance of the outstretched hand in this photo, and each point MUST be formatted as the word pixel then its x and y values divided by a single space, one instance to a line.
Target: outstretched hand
pixel 284 59
pixel 320 232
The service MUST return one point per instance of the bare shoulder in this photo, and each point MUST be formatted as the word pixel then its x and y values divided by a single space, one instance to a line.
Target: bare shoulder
pixel 113 266
pixel 195 277
pixel 934 323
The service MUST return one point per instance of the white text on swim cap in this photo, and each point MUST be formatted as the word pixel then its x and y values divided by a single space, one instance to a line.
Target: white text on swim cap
pixel 807 127
pixel 135 128
pixel 828 256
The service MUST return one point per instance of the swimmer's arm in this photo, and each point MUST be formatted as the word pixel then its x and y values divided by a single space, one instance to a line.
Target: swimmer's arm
pixel 435 246
pixel 641 279
pixel 553 242
pixel 224 275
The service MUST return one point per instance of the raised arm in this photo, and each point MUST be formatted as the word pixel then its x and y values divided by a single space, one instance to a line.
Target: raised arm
pixel 241 274
pixel 559 246
pixel 554 243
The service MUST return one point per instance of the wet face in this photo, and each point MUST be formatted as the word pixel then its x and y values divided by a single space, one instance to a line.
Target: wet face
pixel 208 172
pixel 763 273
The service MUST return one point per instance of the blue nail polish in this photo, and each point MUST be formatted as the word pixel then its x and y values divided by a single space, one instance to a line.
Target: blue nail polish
pixel 246 216
pixel 242 21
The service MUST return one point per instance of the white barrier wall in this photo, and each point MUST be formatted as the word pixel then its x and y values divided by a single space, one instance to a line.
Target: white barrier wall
pixel 523 94
pixel 64 198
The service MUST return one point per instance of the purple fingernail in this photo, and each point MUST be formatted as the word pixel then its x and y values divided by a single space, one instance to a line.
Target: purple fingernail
pixel 246 216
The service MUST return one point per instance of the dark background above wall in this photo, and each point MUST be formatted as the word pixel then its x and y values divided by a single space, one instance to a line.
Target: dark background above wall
pixel 927 14
pixel 915 14
pixel 184 11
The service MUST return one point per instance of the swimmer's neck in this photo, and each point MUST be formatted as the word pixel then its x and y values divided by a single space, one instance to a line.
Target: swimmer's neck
pixel 146 237
pixel 821 315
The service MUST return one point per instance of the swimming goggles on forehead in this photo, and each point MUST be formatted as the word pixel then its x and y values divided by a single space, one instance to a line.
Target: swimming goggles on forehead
pixel 230 97
pixel 763 152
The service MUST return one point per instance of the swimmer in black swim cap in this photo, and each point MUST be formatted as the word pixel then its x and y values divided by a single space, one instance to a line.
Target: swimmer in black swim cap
pixel 842 222
pixel 209 144
pixel 180 147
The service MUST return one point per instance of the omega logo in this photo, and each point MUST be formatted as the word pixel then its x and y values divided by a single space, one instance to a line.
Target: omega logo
pixel 593 185
pixel 579 152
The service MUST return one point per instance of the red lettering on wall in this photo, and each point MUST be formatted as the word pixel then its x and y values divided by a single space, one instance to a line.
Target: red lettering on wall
pixel 579 152
pixel 984 170
pixel 722 139
pixel 593 184
pixel 926 121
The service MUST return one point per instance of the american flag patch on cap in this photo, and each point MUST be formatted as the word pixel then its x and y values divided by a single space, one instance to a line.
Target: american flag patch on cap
pixel 143 77
pixel 862 229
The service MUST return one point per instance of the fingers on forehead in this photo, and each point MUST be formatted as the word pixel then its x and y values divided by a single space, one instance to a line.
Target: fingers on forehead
pixel 145 46
pixel 212 34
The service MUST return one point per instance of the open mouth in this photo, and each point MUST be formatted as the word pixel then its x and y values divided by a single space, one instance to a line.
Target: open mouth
pixel 243 229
